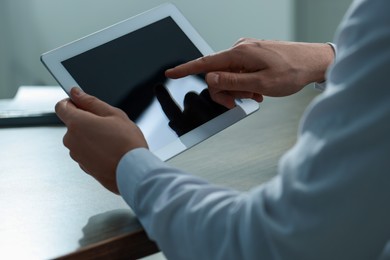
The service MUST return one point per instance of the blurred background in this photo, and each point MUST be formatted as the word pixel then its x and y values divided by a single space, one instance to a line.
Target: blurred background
pixel 30 27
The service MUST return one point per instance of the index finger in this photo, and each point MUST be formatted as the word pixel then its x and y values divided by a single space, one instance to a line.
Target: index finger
pixel 215 62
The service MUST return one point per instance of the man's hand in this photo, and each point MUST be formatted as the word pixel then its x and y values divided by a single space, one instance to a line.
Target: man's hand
pixel 253 68
pixel 98 135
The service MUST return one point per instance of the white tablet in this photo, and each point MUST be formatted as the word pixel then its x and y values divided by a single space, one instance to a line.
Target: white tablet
pixel 124 65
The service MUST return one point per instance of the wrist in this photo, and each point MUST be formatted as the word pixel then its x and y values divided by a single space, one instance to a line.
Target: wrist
pixel 320 57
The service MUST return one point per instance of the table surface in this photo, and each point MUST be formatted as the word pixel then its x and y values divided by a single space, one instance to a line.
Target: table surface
pixel 50 208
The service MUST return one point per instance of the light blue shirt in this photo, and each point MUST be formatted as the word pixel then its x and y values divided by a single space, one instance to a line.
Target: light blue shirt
pixel 331 197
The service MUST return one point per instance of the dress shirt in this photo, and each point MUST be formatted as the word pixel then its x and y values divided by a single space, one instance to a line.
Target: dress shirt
pixel 330 199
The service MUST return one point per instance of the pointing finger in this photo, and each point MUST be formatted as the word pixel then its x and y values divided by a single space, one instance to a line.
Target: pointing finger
pixel 215 62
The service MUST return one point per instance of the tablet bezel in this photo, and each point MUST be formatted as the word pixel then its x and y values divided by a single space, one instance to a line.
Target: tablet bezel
pixel 53 62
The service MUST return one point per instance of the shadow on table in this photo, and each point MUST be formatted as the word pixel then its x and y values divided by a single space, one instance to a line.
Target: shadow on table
pixel 108 225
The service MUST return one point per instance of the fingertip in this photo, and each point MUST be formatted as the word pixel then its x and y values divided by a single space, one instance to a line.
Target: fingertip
pixel 61 108
pixel 174 73
pixel 90 103
pixel 60 104
pixel 169 72
pixel 81 99
pixel 230 104
pixel 212 78
pixel 183 70
pixel 259 98
pixel 76 92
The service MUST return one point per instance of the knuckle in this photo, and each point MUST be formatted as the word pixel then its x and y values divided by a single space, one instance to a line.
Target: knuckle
pixel 120 112
pixel 66 140
pixel 57 107
pixel 71 154
pixel 248 46
pixel 72 126
pixel 71 134
pixel 244 40
pixel 74 156
pixel 239 41
pixel 89 100
pixel 243 48
pixel 204 60
pixel 258 44
pixel 230 80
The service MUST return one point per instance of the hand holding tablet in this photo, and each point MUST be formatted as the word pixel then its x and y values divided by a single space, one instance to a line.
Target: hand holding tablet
pixel 123 64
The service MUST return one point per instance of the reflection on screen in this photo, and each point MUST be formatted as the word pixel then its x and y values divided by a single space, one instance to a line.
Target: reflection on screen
pixel 154 123
pixel 128 73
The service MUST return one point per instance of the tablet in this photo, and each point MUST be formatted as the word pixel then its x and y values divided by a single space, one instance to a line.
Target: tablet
pixel 124 65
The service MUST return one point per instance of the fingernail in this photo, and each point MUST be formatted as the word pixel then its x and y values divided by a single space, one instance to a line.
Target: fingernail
pixel 77 91
pixel 214 77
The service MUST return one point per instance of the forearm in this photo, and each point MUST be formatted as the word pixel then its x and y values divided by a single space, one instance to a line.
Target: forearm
pixel 192 219
pixel 188 217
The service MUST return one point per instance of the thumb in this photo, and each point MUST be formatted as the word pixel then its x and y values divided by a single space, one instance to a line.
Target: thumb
pixel 90 103
pixel 64 110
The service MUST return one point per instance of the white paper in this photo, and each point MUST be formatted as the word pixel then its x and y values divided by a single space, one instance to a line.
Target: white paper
pixel 32 100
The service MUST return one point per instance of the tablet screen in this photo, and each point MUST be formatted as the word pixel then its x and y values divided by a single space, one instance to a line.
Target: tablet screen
pixel 128 72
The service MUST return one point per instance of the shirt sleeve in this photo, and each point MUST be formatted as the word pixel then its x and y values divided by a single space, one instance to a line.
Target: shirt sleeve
pixel 322 85
pixel 330 197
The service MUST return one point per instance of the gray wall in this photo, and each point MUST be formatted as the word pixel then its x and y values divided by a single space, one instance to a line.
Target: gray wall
pixel 317 20
pixel 31 27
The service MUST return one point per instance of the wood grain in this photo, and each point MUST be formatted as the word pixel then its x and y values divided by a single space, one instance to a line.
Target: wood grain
pixel 130 246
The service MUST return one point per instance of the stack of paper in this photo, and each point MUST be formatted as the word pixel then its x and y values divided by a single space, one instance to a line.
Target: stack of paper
pixel 32 105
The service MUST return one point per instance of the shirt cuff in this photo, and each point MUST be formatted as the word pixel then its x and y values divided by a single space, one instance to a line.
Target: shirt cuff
pixel 131 170
pixel 322 85
pixel 334 47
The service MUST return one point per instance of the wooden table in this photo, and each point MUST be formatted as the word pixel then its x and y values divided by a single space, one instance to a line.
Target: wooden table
pixel 51 209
